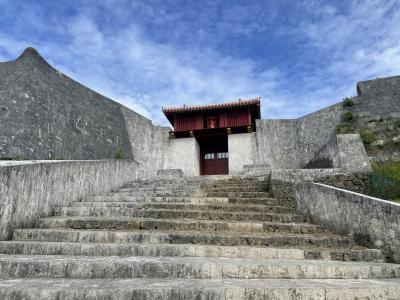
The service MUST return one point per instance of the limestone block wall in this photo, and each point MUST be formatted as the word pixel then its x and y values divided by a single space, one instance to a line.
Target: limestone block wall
pixel 378 98
pixel 241 151
pixel 352 154
pixel 148 143
pixel 291 144
pixel 32 191
pixel 183 154
pixel 283 181
pixel 46 115
pixel 369 221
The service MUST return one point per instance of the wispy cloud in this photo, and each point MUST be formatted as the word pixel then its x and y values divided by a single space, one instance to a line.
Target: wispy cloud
pixel 298 56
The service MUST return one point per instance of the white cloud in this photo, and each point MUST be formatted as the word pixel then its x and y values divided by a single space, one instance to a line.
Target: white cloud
pixel 335 48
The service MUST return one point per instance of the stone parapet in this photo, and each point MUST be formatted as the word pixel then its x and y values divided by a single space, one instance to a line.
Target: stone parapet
pixel 32 191
pixel 370 221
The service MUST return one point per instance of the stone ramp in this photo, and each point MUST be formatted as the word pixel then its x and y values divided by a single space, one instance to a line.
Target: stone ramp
pixel 189 239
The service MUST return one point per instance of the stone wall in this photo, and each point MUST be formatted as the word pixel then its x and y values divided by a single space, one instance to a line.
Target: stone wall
pixel 355 182
pixel 240 147
pixel 183 154
pixel 292 144
pixel 378 98
pixel 148 143
pixel 283 181
pixel 32 191
pixel 46 115
pixel 352 154
pixel 369 221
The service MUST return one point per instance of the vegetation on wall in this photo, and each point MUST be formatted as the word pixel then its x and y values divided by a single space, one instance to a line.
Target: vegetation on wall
pixel 384 182
pixel 347 102
pixel 343 129
pixel 368 137
pixel 119 153
pixel 348 116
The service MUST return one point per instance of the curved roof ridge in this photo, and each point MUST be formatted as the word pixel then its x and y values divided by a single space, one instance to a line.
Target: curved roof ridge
pixel 236 103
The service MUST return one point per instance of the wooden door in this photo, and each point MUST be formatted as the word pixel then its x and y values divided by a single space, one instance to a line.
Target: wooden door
pixel 215 163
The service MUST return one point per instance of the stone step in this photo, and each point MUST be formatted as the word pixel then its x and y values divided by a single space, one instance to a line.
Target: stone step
pixel 194 200
pixel 237 194
pixel 124 223
pixel 152 212
pixel 186 206
pixel 137 249
pixel 155 189
pixel 235 189
pixel 170 193
pixel 215 289
pixel 225 238
pixel 259 201
pixel 58 266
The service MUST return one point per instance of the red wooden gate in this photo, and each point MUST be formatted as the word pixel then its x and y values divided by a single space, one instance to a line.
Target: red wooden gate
pixel 215 163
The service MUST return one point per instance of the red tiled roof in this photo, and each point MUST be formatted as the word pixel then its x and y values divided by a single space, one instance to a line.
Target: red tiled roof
pixel 188 108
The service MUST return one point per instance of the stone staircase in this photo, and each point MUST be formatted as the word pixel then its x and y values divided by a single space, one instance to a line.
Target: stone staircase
pixel 202 238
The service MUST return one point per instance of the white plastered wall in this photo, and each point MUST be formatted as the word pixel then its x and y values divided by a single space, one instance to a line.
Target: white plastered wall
pixel 240 148
pixel 183 154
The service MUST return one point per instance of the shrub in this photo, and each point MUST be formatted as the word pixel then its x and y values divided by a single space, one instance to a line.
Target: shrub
pixel 390 169
pixel 119 153
pixel 348 102
pixel 348 116
pixel 343 129
pixel 368 137
pixel 397 123
pixel 384 182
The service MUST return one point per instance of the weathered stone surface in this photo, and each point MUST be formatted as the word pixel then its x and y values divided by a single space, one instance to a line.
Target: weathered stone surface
pixel 31 191
pixel 352 155
pixel 356 182
pixel 370 221
pixel 217 289
pixel 176 230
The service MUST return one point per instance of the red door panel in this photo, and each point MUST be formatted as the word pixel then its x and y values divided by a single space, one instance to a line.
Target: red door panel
pixel 215 164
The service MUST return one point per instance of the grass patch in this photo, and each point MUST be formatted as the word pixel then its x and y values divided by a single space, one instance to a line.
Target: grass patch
pixel 384 182
pixel 343 129
pixel 368 137
pixel 119 153
pixel 390 169
pixel 348 116
pixel 347 102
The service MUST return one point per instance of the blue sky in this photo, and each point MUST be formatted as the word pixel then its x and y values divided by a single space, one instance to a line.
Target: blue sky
pixel 299 56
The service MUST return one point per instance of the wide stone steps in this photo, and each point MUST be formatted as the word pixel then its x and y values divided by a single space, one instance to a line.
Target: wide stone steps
pixel 153 193
pixel 138 249
pixel 236 194
pixel 54 266
pixel 193 199
pixel 189 239
pixel 181 206
pixel 125 223
pixel 225 238
pixel 235 189
pixel 215 289
pixel 157 189
pixel 200 214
